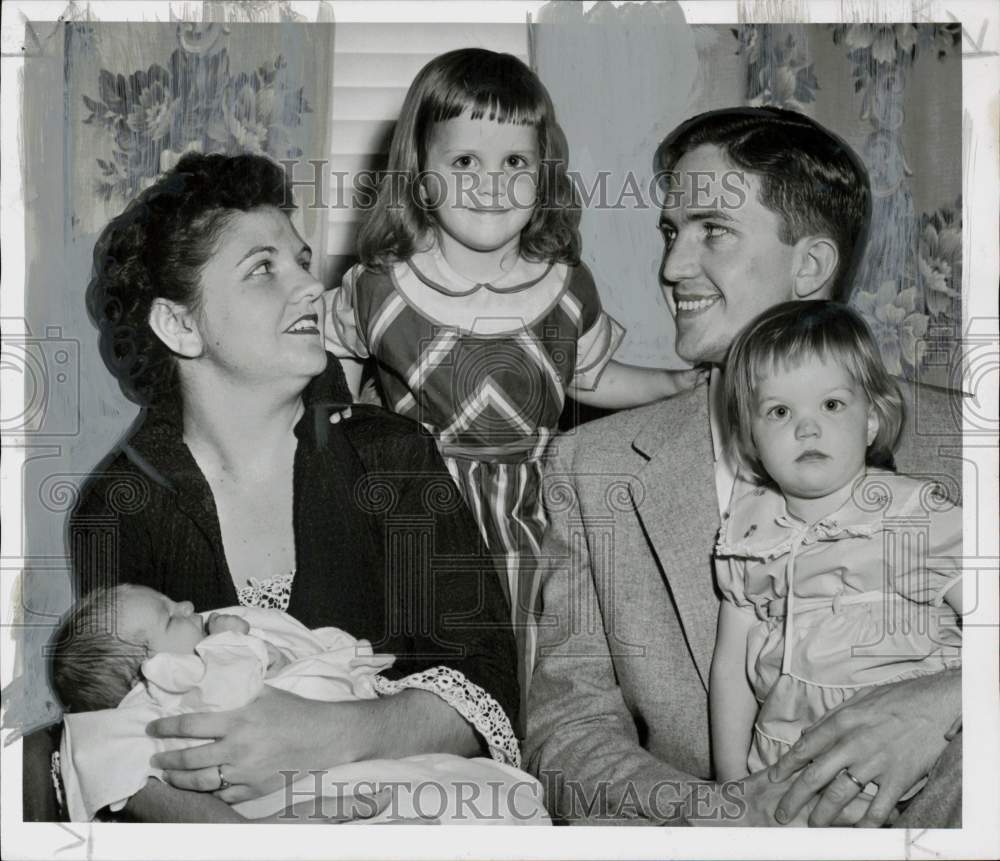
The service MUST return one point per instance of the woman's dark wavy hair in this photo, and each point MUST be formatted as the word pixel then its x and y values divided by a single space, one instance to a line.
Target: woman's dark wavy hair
pixel 484 84
pixel 810 178
pixel 156 249
pixel 792 332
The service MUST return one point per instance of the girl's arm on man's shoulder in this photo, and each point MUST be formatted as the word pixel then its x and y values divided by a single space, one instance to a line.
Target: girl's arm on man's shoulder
pixel 621 386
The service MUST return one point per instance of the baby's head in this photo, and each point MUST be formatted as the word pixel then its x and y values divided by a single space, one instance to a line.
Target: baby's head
pixel 809 400
pixel 99 648
pixel 476 156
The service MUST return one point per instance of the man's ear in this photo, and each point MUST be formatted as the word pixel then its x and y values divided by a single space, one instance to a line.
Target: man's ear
pixel 815 265
pixel 174 324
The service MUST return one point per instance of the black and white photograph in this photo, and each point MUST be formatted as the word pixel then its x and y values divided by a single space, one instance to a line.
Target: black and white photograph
pixel 511 415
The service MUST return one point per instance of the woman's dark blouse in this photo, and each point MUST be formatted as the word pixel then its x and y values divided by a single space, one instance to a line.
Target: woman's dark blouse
pixel 384 547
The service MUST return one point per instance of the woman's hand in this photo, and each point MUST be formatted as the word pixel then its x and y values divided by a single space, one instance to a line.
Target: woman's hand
pixel 277 732
pixel 280 732
pixel 890 734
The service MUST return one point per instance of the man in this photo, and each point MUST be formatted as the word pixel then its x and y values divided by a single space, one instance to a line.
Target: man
pixel 764 205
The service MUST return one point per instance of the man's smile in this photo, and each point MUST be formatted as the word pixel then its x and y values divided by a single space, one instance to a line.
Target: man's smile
pixel 695 304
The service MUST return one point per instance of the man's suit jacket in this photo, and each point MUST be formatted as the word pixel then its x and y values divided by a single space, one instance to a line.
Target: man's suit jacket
pixel 618 712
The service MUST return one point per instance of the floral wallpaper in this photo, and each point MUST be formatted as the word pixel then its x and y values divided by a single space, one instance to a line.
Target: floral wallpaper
pixel 195 103
pixel 139 96
pixel 910 280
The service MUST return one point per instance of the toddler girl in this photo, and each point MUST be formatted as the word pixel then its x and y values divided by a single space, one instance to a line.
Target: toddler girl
pixel 129 655
pixel 472 299
pixel 836 573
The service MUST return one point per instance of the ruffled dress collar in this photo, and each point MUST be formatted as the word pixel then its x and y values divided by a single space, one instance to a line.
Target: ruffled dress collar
pixel 759 526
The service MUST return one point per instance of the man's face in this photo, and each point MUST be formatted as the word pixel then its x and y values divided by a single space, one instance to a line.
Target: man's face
pixel 723 263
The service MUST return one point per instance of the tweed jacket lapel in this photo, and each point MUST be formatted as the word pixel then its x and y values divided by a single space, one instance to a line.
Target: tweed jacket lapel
pixel 676 501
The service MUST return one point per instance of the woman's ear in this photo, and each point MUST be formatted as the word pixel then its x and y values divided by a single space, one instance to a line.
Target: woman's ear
pixel 815 266
pixel 873 424
pixel 174 324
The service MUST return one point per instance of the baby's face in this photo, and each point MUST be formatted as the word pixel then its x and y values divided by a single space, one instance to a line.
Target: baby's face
pixel 812 427
pixel 152 619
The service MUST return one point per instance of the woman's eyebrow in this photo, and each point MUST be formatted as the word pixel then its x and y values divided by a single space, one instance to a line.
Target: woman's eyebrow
pixel 257 249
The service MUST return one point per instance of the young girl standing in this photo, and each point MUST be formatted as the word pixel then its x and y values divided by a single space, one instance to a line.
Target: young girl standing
pixel 836 574
pixel 472 299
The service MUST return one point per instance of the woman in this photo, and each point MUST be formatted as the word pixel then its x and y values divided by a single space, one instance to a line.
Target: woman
pixel 236 487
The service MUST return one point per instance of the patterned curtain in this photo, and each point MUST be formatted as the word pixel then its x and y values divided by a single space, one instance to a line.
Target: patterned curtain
pixel 882 87
pixel 141 95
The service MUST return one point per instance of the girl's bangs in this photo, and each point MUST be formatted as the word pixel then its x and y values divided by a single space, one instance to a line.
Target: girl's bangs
pixel 789 352
pixel 517 108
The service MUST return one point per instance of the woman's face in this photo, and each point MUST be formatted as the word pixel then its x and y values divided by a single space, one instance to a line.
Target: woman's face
pixel 260 309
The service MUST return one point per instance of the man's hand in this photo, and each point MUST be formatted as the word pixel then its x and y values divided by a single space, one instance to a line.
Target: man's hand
pixel 889 734
pixel 751 802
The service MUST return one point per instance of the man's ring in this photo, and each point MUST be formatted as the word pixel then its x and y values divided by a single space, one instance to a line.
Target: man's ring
pixel 225 784
pixel 843 771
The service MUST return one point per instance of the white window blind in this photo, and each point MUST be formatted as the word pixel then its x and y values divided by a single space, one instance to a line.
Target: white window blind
pixel 373 66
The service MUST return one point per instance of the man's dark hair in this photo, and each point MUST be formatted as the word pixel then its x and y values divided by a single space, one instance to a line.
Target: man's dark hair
pixel 810 178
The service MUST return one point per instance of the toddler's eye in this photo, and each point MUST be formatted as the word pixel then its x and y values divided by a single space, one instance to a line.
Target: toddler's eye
pixel 305 263
pixel 464 162
pixel 833 405
pixel 779 412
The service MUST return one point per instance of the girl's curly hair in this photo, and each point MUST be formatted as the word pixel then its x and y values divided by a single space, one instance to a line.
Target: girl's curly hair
pixel 156 249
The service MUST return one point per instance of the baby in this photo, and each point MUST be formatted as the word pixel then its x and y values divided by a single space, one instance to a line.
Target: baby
pixel 128 655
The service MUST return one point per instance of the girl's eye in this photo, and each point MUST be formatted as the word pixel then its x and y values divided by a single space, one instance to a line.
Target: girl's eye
pixel 778 412
pixel 833 405
pixel 305 263
pixel 463 161
pixel 516 161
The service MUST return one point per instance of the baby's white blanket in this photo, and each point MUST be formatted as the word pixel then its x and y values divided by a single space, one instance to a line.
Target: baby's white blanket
pixel 105 754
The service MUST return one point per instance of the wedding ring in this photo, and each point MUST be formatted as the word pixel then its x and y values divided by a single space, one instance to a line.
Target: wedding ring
pixel 225 784
pixel 843 771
